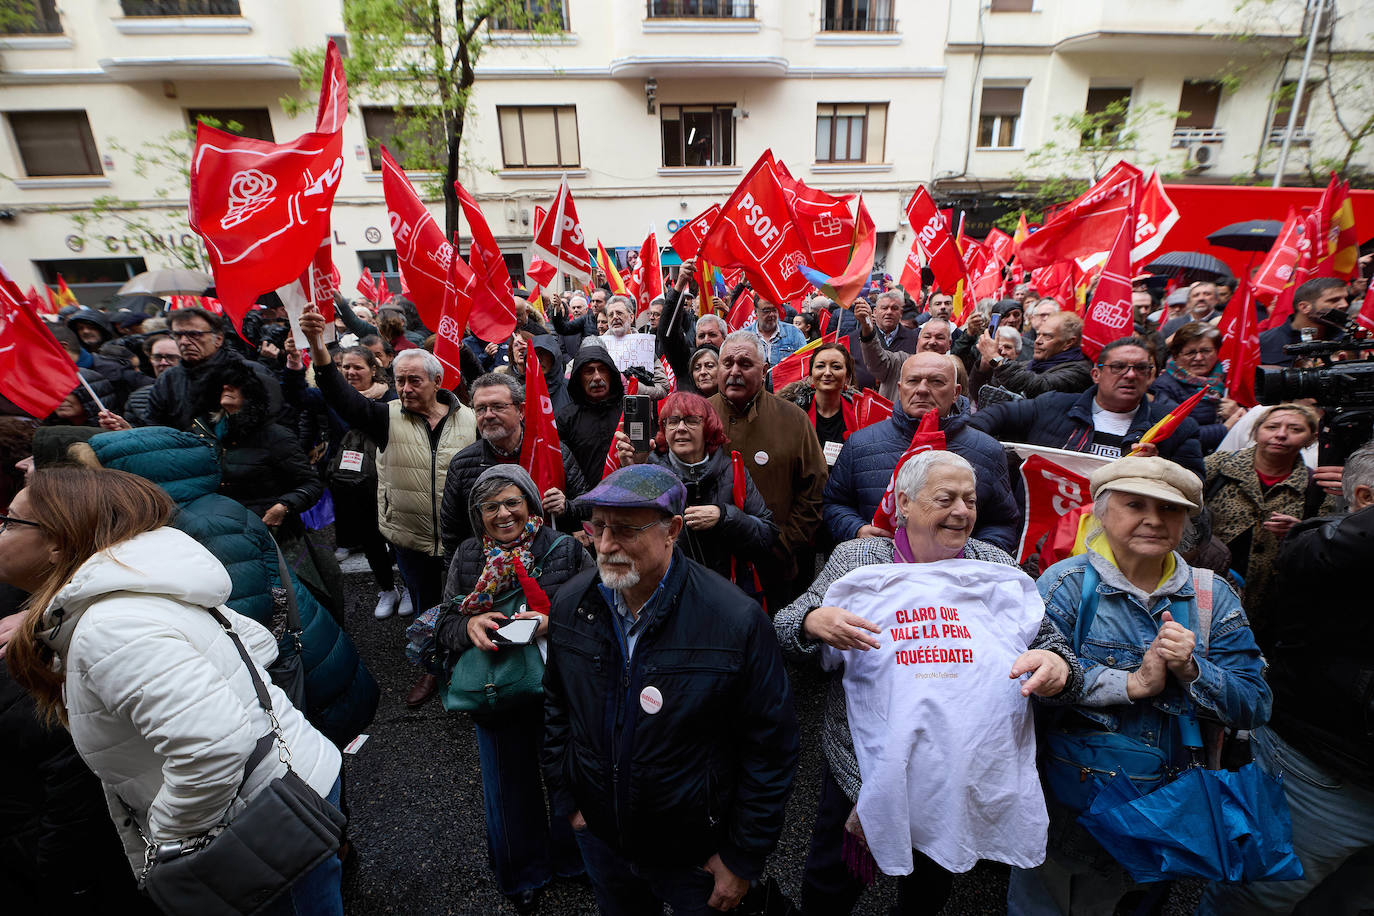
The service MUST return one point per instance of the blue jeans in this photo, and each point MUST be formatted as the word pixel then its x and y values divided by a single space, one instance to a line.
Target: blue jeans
pixel 1333 822
pixel 318 892
pixel 624 888
pixel 423 576
pixel 526 844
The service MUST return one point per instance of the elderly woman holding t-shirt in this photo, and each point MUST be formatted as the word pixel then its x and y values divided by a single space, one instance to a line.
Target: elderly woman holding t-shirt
pixel 936 495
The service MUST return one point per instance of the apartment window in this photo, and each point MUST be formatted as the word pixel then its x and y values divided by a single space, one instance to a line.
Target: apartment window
pixel 851 132
pixel 1012 6
pixel 39 18
pixel 515 267
pixel 180 7
pixel 858 16
pixel 538 136
pixel 537 12
pixel 699 9
pixel 246 122
pixel 91 270
pixel 1198 101
pixel 1109 107
pixel 55 143
pixel 698 135
pixel 1283 108
pixel 414 141
pixel 999 117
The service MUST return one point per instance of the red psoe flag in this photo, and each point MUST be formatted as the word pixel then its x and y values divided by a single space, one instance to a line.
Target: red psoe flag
pixel 453 320
pixel 612 462
pixel 755 231
pixel 1240 346
pixel 741 312
pixel 1109 316
pixel 1277 269
pixel 422 252
pixel 648 275
pixel 493 305
pixel 1366 316
pixel 1088 224
pixel 540 452
pixel 542 272
pixel 1052 492
pixel 686 241
pixel 871 407
pixel 261 208
pixel 366 286
pixel 36 374
pixel 927 437
pixel 932 234
pixel 823 220
pixel 559 238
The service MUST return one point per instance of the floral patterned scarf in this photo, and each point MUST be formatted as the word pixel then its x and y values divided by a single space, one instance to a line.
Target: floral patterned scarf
pixel 1214 381
pixel 502 572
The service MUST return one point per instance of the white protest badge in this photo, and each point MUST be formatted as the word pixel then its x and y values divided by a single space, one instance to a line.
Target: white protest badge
pixel 650 700
pixel 350 460
pixel 832 452
pixel 760 458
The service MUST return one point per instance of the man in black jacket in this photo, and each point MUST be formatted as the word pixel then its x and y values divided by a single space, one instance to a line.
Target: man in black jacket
pixel 498 400
pixel 1108 419
pixel 1317 634
pixel 588 424
pixel 670 739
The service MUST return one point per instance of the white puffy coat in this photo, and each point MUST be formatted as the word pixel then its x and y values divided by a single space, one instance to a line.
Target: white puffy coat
pixel 160 704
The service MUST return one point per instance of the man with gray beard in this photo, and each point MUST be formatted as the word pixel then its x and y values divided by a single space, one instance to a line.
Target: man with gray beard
pixel 670 739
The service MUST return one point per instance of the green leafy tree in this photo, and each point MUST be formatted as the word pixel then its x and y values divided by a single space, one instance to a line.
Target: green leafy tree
pixel 21 17
pixel 421 57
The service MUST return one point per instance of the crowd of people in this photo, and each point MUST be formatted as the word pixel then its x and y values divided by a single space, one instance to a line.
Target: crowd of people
pixel 673 577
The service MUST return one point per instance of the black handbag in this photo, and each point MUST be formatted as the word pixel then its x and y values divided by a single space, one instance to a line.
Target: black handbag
pixel 243 864
pixel 288 671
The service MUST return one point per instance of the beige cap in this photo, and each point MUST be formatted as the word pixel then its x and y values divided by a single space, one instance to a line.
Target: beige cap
pixel 1157 477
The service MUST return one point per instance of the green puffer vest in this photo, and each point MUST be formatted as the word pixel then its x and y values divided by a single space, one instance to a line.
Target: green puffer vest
pixel 410 476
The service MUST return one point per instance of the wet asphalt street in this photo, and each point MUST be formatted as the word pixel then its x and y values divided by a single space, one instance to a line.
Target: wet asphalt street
pixel 414 793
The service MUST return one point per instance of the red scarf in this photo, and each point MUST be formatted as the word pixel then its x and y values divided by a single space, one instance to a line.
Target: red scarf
pixel 851 419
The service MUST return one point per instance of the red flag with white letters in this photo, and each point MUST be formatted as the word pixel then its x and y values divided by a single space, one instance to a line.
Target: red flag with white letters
pixel 540 452
pixel 826 225
pixel 755 231
pixel 1052 492
pixel 1110 316
pixel 262 208
pixel 36 374
pixel 1087 224
pixel 422 252
pixel 742 311
pixel 932 234
pixel 646 280
pixel 493 304
pixel 453 321
pixel 686 241
pixel 559 239
pixel 1278 266
pixel 1240 346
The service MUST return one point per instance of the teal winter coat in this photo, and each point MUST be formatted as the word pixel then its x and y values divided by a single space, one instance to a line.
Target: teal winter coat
pixel 341 695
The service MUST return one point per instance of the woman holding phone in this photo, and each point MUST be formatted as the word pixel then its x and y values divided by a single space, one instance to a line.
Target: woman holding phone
pixel 525 847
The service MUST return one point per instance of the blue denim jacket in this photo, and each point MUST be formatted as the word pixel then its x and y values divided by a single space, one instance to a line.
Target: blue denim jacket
pixel 790 339
pixel 1230 686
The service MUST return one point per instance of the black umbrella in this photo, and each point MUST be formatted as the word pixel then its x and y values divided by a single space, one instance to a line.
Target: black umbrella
pixel 1190 264
pixel 142 303
pixel 1249 235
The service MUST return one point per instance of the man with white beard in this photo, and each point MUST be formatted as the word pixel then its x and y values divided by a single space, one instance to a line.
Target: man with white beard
pixel 670 739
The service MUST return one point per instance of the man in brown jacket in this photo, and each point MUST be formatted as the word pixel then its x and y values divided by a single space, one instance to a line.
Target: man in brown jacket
pixel 782 454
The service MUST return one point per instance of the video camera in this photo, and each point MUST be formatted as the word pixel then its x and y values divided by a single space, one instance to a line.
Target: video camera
pixel 1343 390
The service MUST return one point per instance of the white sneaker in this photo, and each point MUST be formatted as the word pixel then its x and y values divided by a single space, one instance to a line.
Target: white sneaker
pixel 342 553
pixel 386 604
pixel 405 608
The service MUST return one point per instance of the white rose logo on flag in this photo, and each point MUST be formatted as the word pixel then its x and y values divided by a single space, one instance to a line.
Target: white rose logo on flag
pixel 449 330
pixel 1115 315
pixel 249 191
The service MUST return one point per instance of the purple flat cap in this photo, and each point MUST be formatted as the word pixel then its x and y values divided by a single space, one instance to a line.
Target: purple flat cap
pixel 639 486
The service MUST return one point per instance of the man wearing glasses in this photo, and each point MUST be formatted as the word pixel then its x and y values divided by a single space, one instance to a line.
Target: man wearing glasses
pixel 498 400
pixel 670 739
pixel 1107 419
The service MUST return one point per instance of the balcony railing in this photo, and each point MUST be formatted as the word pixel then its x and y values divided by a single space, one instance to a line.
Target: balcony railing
pixel 181 7
pixel 700 9
pixel 857 24
pixel 42 21
pixel 1187 136
pixel 1301 137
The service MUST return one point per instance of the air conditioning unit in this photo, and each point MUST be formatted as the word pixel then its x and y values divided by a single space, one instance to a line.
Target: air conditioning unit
pixel 1202 155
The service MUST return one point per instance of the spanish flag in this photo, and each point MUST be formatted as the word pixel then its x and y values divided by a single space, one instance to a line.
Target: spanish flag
pixel 797 365
pixel 65 296
pixel 1022 232
pixel 1169 423
pixel 706 288
pixel 1345 244
pixel 607 265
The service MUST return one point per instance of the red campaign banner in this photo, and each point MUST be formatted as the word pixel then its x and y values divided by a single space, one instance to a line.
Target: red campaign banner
pixel 560 240
pixel 453 320
pixel 686 241
pixel 1052 492
pixel 1240 346
pixel 927 437
pixel 1110 317
pixel 493 303
pixel 932 234
pixel 755 231
pixel 260 207
pixel 36 374
pixel 1087 224
pixel 422 252
pixel 540 452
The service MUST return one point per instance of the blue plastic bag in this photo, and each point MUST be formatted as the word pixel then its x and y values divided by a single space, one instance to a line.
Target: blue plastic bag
pixel 320 515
